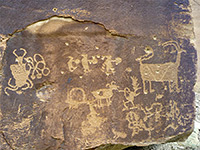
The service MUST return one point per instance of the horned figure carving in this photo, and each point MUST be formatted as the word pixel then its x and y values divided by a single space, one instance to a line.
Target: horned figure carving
pixel 20 74
pixel 105 94
pixel 166 72
pixel 24 71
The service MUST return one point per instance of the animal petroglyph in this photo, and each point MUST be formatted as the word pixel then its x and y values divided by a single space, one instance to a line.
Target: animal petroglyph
pixel 25 69
pixel 166 72
pixel 105 94
pixel 130 95
pixel 118 134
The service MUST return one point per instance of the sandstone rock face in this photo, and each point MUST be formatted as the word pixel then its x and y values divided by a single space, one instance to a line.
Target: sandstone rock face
pixel 74 84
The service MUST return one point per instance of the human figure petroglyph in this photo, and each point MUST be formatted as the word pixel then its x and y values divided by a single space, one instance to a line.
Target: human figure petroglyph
pixel 24 68
pixel 173 115
pixel 151 114
pixel 105 94
pixel 107 66
pixel 154 109
pixel 130 95
pixel 135 122
pixel 20 74
pixel 76 97
pixel 166 72
pixel 85 62
pixel 93 122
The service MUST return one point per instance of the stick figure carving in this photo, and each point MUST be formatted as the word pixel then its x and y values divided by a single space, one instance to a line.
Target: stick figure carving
pixel 166 72
pixel 25 67
pixel 130 95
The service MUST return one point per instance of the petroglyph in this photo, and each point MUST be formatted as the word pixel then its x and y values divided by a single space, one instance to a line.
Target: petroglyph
pixel 75 11
pixel 72 107
pixel 76 96
pixel 173 116
pixel 93 122
pixel 72 64
pixel 118 134
pixel 105 94
pixel 151 114
pixel 85 62
pixel 166 72
pixel 130 95
pixel 107 66
pixel 135 122
pixel 154 109
pixel 25 70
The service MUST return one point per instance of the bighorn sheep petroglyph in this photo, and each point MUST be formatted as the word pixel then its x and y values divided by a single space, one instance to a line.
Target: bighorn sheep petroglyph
pixel 105 94
pixel 160 72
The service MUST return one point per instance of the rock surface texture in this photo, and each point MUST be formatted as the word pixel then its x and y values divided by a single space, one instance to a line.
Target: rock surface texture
pixel 76 75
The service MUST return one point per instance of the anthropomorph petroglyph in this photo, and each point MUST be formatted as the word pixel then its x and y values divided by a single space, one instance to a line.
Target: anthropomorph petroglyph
pixel 173 116
pixel 93 122
pixel 76 97
pixel 25 70
pixel 85 62
pixel 130 95
pixel 137 116
pixel 166 72
pixel 107 66
pixel 135 122
pixel 105 94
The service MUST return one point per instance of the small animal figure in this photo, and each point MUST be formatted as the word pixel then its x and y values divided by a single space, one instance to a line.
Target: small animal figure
pixel 118 134
pixel 105 94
